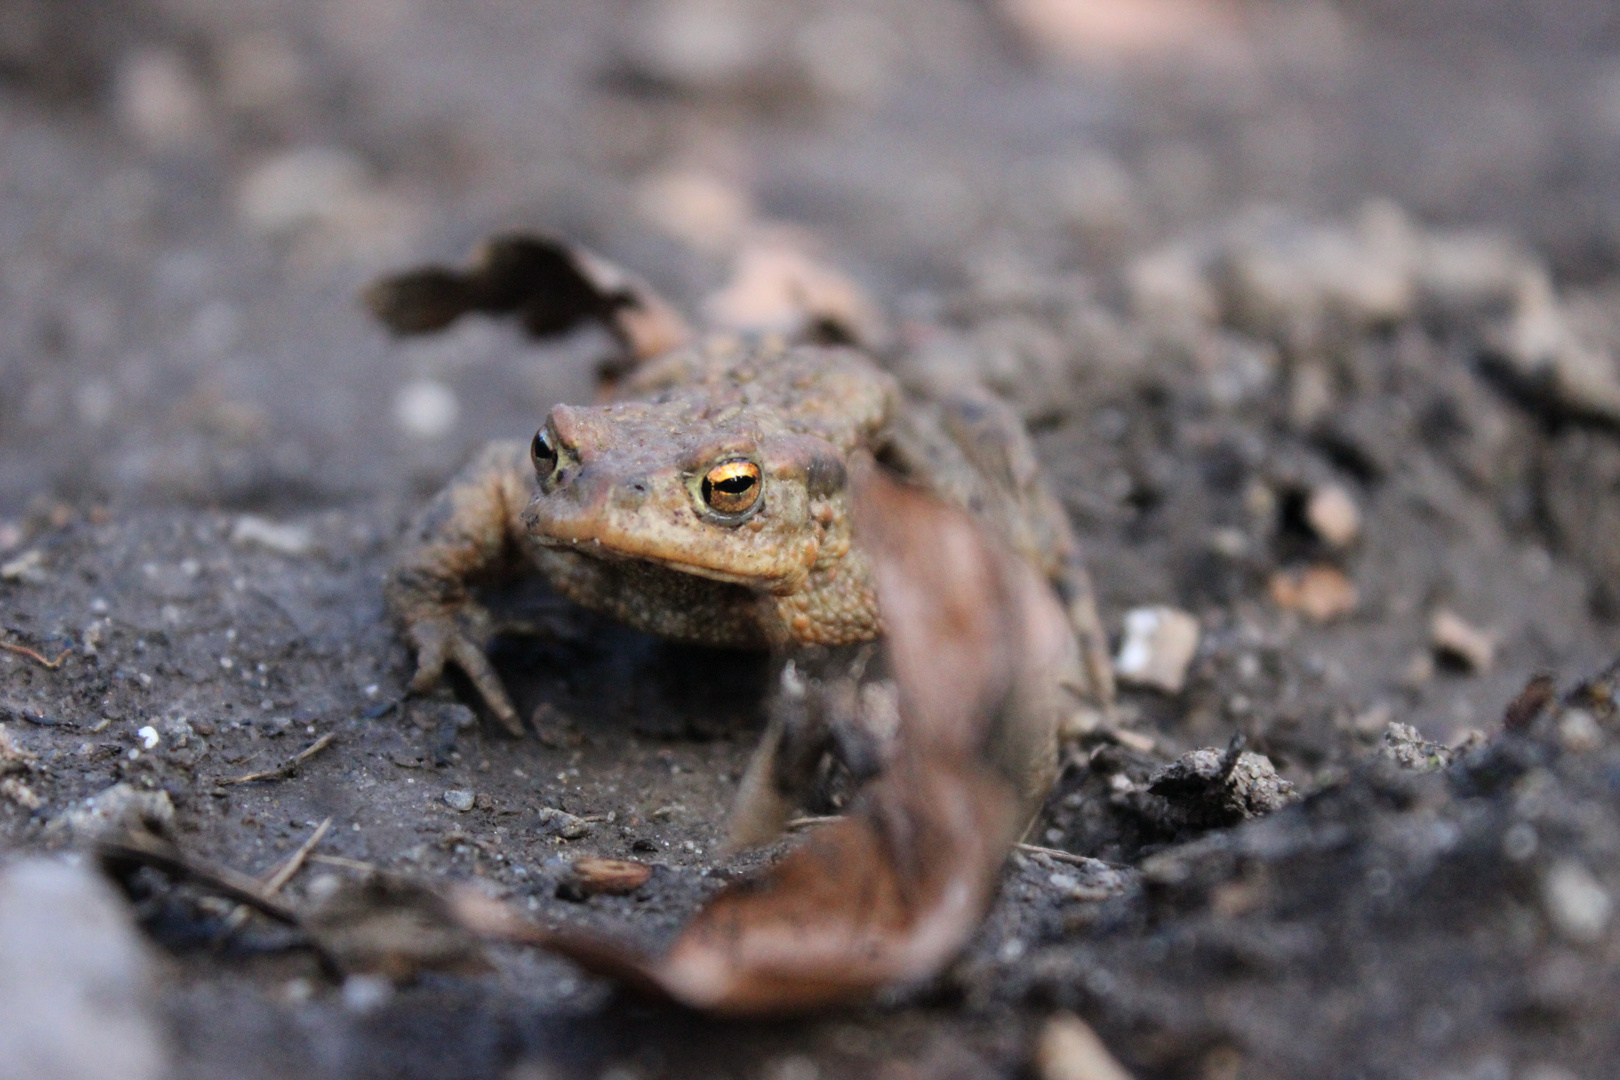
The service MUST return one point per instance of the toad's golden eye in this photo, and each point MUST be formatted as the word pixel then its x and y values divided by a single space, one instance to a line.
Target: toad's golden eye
pixel 732 487
pixel 543 453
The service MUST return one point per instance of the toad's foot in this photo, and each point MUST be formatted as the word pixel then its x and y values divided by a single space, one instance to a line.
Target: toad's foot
pixel 443 639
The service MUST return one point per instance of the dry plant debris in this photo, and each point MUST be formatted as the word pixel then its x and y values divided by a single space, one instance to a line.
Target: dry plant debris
pixel 890 892
pixel 593 875
pixel 550 286
pixel 288 767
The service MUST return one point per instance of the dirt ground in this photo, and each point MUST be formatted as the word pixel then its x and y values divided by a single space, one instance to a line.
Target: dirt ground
pixel 1225 259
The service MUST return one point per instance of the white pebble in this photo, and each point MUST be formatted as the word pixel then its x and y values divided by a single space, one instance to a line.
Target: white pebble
pixel 1452 636
pixel 1333 515
pixel 299 187
pixel 29 567
pixel 149 737
pixel 426 409
pixel 459 799
pixel 1159 646
pixel 283 539
pixel 1577 905
pixel 1578 732
pixel 363 993
pixel 159 99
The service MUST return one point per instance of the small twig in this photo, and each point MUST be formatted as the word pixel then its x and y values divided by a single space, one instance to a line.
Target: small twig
pixel 38 658
pixel 288 767
pixel 1055 854
pixel 806 822
pixel 347 864
pixel 275 881
pixel 140 849
pixel 1059 855
pixel 1233 755
pixel 273 884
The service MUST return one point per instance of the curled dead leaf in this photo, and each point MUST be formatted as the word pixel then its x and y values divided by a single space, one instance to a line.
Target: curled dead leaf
pixel 891 892
pixel 552 287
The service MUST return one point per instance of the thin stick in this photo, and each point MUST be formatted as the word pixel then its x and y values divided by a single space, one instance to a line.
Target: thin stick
pixel 38 658
pixel 807 822
pixel 288 767
pixel 347 864
pixel 1056 855
pixel 275 881
pixel 144 850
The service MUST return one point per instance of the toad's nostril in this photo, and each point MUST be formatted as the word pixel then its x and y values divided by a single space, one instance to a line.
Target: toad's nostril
pixel 631 493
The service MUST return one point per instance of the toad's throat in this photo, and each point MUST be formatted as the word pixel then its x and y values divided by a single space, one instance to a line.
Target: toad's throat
pixel 668 601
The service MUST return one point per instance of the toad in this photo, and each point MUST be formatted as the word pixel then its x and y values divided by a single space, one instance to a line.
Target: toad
pixel 705 498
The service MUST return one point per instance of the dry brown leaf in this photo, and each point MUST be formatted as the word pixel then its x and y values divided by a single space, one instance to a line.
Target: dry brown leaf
pixel 552 287
pixel 891 892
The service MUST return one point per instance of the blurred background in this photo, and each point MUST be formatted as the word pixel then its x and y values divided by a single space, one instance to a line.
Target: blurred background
pixel 193 191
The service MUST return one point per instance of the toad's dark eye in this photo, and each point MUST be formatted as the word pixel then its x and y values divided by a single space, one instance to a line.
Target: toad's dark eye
pixel 543 453
pixel 732 487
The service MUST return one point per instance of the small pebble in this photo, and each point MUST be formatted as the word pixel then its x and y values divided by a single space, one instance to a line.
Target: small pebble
pixel 1321 593
pixel 561 823
pixel 298 187
pixel 20 793
pixel 426 409
pixel 1457 640
pixel 1577 905
pixel 1332 514
pixel 1159 646
pixel 250 530
pixel 27 567
pixel 363 993
pixel 149 737
pixel 460 799
pixel 1578 732
pixel 1519 843
pixel 159 99
pixel 115 810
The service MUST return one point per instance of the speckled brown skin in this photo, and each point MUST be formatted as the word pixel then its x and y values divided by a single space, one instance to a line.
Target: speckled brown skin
pixel 619 526
pixel 616 514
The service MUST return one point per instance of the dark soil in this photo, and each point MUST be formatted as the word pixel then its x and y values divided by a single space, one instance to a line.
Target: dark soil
pixel 206 454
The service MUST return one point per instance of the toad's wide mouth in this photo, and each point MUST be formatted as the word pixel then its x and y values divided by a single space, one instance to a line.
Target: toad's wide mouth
pixel 631 554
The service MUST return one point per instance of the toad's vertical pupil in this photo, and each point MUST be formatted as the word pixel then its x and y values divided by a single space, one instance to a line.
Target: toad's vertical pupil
pixel 542 453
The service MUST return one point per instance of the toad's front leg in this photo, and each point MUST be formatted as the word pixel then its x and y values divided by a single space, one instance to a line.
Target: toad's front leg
pixel 469 534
